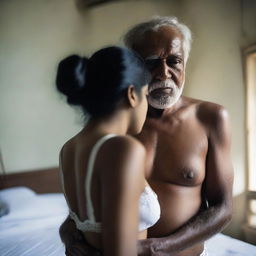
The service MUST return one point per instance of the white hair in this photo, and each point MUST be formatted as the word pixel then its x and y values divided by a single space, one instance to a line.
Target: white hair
pixel 135 34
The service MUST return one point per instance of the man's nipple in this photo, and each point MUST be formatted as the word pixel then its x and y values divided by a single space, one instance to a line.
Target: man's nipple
pixel 189 175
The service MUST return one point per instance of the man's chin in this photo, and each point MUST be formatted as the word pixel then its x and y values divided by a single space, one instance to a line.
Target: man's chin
pixel 152 105
pixel 160 104
pixel 164 100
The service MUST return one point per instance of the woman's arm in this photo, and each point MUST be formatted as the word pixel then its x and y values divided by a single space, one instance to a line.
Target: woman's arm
pixel 122 181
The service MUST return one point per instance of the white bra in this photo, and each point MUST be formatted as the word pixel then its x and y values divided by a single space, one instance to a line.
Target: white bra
pixel 149 208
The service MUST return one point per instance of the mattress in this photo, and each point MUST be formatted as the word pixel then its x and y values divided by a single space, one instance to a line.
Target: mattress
pixel 30 228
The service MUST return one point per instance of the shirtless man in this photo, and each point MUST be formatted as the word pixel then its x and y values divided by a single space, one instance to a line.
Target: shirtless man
pixel 188 145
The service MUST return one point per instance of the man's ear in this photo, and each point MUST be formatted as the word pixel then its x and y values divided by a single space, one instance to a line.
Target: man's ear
pixel 132 96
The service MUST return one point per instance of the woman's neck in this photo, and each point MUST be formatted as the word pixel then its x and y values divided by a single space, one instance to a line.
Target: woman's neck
pixel 116 124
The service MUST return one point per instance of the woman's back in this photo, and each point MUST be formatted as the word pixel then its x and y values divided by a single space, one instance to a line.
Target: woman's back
pixel 74 159
pixel 110 86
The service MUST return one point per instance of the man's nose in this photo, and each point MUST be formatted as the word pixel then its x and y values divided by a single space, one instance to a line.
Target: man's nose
pixel 163 72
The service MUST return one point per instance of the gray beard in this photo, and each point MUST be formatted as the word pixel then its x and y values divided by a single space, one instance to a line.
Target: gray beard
pixel 164 100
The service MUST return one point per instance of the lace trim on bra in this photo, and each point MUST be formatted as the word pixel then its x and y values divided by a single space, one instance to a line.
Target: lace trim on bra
pixel 149 208
pixel 86 225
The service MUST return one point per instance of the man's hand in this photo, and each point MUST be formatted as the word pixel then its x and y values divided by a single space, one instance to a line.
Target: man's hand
pixel 144 247
pixel 147 247
pixel 74 241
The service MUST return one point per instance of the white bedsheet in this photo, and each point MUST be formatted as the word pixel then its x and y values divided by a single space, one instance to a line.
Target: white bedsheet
pixel 31 227
pixel 222 245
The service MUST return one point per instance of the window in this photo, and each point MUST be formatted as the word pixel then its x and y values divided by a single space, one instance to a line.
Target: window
pixel 250 75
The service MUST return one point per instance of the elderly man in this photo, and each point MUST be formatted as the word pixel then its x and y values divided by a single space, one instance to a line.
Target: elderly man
pixel 188 145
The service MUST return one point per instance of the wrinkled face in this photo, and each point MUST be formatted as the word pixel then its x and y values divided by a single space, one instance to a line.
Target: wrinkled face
pixel 164 56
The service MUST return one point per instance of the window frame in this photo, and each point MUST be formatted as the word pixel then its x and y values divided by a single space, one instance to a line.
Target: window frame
pixel 250 194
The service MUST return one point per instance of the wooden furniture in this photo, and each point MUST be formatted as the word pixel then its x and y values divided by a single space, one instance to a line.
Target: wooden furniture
pixel 41 181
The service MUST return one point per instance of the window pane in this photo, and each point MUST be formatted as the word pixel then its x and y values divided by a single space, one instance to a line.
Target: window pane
pixel 252 213
pixel 252 221
pixel 251 119
pixel 253 206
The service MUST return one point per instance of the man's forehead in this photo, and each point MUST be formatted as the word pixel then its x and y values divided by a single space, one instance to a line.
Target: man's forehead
pixel 176 42
pixel 173 48
pixel 165 41
pixel 156 57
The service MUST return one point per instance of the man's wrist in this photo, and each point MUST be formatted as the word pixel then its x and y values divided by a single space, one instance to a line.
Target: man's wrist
pixel 149 246
pixel 155 246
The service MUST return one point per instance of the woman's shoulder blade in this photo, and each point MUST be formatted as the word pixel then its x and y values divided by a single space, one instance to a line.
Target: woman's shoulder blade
pixel 121 153
pixel 123 145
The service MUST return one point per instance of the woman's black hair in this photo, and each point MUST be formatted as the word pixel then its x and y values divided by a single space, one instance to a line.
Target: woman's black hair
pixel 100 82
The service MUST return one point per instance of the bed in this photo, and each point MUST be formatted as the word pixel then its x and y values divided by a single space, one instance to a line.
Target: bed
pixel 29 225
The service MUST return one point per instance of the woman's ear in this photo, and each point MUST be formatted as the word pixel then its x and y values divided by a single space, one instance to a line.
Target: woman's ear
pixel 132 96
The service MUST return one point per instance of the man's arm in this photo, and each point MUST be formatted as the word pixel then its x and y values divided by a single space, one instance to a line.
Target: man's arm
pixel 73 239
pixel 217 189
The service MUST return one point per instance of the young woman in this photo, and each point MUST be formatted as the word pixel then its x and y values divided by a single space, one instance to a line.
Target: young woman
pixel 102 167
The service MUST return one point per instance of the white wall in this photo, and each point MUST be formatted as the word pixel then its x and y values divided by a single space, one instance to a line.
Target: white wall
pixel 36 34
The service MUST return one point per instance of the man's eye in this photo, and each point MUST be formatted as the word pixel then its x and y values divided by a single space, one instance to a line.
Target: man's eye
pixel 152 64
pixel 171 62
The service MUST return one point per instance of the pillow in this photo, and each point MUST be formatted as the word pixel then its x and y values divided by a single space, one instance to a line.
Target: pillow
pixel 24 203
pixel 17 192
pixel 16 195
pixel 29 211
pixel 4 209
pixel 10 197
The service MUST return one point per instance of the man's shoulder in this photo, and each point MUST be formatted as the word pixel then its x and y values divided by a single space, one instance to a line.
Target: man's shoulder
pixel 209 113
pixel 205 107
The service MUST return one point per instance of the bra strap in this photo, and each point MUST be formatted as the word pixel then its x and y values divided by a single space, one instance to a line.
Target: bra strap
pixel 92 157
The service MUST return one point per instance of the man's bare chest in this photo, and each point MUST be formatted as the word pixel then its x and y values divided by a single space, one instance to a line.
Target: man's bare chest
pixel 179 154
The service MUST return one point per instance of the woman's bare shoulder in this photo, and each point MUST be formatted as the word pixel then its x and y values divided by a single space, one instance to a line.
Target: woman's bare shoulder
pixel 123 145
pixel 122 153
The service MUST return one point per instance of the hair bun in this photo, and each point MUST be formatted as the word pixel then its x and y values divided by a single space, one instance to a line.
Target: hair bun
pixel 71 78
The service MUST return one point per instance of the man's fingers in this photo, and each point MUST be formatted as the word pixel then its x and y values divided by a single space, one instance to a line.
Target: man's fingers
pixel 81 250
pixel 74 251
